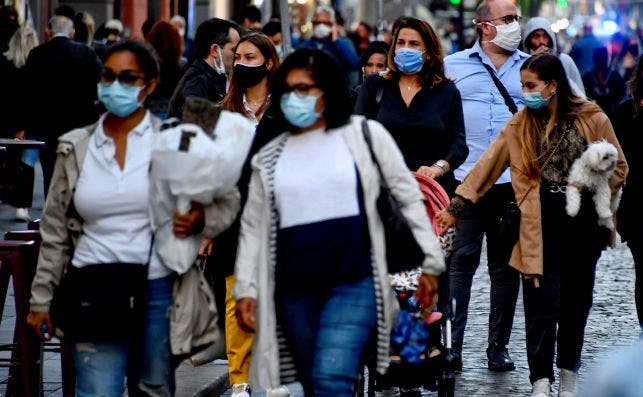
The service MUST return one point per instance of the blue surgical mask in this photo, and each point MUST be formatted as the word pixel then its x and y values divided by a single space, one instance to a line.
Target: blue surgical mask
pixel 409 60
pixel 535 100
pixel 119 99
pixel 299 110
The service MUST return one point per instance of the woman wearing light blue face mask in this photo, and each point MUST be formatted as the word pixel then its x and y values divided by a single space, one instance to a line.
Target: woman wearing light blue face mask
pixel 416 102
pixel 556 253
pixel 96 222
pixel 311 265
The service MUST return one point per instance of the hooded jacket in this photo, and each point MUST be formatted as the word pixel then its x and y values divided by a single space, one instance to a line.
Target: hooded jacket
pixel 571 70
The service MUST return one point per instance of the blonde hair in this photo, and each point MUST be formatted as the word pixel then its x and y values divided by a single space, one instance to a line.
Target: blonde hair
pixel 21 43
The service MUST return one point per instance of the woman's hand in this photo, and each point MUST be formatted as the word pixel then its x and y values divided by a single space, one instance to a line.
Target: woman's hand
pixel 432 171
pixel 191 223
pixel 206 247
pixel 36 321
pixel 445 220
pixel 20 135
pixel 427 291
pixel 246 314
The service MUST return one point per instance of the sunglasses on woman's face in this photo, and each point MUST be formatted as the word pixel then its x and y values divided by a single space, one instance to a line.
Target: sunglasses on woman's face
pixel 126 77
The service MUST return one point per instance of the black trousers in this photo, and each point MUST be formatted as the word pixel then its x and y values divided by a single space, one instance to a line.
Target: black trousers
pixel 571 249
pixel 47 162
pixel 636 247
pixel 475 222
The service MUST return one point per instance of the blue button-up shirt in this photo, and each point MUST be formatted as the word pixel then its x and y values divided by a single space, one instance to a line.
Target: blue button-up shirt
pixel 485 111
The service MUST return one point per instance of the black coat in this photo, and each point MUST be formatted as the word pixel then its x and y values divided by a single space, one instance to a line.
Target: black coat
pixel 12 98
pixel 200 80
pixel 62 78
pixel 628 125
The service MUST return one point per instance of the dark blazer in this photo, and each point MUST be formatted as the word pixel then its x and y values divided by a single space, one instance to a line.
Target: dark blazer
pixel 200 80
pixel 628 125
pixel 62 78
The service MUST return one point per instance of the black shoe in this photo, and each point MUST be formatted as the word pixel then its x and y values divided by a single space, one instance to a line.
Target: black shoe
pixel 499 360
pixel 453 362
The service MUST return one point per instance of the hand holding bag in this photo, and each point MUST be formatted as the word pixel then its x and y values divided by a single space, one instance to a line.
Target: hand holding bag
pixel 402 250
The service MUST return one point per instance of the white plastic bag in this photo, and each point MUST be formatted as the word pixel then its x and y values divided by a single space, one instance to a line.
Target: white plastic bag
pixel 189 165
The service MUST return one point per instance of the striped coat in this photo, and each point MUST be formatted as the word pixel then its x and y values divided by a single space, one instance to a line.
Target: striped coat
pixel 272 364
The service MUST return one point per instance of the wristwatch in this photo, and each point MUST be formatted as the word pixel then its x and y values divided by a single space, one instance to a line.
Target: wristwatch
pixel 441 165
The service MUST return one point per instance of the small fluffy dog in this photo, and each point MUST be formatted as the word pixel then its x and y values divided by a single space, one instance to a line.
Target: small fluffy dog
pixel 593 171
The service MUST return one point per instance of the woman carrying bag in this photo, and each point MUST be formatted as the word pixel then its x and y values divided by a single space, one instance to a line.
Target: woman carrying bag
pixel 556 253
pixel 115 296
pixel 311 264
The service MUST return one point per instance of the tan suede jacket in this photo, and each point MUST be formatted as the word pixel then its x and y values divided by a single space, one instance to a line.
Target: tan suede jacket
pixel 505 151
pixel 191 324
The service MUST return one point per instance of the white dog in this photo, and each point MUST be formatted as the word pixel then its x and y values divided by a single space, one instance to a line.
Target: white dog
pixel 593 171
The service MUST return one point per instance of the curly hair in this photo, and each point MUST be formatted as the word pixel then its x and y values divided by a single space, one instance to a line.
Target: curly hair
pixel 432 72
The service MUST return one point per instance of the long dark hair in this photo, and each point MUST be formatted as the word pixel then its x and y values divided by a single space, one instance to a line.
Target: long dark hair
pixel 328 76
pixel 165 39
pixel 233 100
pixel 636 83
pixel 432 72
pixel 548 68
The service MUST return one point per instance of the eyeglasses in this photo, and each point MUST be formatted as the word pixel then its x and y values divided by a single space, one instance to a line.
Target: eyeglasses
pixel 507 19
pixel 126 77
pixel 301 89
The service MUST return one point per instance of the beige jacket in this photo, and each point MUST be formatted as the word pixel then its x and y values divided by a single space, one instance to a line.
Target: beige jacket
pixel 192 325
pixel 255 264
pixel 505 151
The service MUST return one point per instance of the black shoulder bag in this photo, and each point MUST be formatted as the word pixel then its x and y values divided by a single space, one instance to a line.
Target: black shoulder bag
pixel 101 303
pixel 402 250
pixel 503 91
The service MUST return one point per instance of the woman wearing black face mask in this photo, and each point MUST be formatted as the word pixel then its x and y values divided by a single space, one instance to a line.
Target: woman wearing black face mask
pixel 255 61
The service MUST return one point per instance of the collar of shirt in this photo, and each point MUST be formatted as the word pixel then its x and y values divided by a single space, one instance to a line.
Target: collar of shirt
pixel 140 129
pixel 250 113
pixel 476 51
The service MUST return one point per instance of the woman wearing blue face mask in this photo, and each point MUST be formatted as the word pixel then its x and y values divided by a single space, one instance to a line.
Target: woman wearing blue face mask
pixel 96 231
pixel 556 253
pixel 416 102
pixel 311 264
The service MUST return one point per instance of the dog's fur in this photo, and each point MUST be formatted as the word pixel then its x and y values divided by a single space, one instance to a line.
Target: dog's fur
pixel 593 170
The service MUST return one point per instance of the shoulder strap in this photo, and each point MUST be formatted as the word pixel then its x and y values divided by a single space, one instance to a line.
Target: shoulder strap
pixel 367 137
pixel 503 91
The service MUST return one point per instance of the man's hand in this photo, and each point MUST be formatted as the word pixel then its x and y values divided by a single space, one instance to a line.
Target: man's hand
pixel 20 135
pixel 36 320
pixel 246 314
pixel 191 223
pixel 334 33
pixel 427 291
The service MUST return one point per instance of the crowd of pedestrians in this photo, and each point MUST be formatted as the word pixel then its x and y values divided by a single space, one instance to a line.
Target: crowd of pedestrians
pixel 294 255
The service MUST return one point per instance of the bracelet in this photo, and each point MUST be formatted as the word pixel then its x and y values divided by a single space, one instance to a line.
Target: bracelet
pixel 441 166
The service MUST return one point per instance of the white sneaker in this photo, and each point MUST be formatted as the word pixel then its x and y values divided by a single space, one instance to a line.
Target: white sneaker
pixel 240 390
pixel 567 386
pixel 23 214
pixel 541 388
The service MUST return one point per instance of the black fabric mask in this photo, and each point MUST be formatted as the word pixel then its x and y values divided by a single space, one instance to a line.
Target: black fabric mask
pixel 249 76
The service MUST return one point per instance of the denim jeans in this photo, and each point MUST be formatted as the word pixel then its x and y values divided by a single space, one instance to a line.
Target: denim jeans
pixel 30 157
pixel 476 221
pixel 101 368
pixel 329 334
pixel 556 312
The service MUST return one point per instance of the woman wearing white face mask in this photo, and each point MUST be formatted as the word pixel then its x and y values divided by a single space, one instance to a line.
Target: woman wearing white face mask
pixel 556 253
pixel 311 265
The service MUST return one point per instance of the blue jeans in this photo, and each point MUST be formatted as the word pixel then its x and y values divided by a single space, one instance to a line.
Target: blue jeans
pixel 101 368
pixel 329 334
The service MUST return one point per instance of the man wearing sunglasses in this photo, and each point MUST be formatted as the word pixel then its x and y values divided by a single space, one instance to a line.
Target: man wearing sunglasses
pixel 62 76
pixel 481 74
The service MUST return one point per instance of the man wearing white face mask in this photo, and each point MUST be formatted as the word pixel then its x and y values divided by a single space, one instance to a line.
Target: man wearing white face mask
pixel 326 37
pixel 207 76
pixel 488 77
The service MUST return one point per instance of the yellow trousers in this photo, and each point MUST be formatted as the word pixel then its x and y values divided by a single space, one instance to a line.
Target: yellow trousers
pixel 238 342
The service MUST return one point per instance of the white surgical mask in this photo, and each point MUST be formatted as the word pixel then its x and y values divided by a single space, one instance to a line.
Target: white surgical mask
pixel 507 36
pixel 321 31
pixel 220 66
